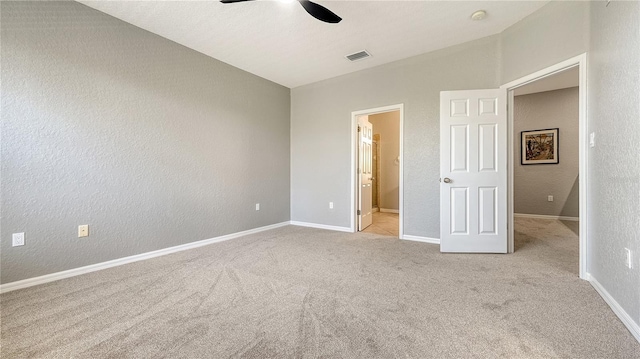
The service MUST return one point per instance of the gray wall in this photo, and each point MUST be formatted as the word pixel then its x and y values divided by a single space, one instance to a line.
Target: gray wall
pixel 150 143
pixel 614 163
pixel 321 125
pixel 556 32
pixel 320 112
pixel 533 183
pixel 388 126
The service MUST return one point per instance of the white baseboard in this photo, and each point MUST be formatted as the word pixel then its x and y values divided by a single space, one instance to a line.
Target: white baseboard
pixel 421 239
pixel 321 226
pixel 7 287
pixel 375 209
pixel 626 319
pixel 544 216
pixel 385 210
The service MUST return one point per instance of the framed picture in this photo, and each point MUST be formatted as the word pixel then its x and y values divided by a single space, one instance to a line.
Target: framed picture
pixel 539 147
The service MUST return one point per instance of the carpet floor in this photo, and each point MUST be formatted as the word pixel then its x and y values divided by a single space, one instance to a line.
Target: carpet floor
pixel 297 292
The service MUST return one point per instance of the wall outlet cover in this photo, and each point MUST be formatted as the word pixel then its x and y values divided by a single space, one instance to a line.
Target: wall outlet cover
pixel 83 230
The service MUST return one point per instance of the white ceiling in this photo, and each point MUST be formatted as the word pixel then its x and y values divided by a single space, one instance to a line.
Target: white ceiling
pixel 282 43
pixel 562 80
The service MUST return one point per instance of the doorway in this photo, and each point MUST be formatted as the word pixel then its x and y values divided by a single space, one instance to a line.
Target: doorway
pixel 545 169
pixel 566 69
pixel 377 195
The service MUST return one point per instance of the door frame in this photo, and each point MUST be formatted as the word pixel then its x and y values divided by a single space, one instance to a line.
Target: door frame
pixel 583 144
pixel 354 162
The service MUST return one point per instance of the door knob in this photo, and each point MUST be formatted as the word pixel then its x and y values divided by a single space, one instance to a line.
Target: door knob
pixel 446 180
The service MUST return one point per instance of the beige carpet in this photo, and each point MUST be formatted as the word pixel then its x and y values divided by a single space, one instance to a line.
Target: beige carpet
pixel 298 292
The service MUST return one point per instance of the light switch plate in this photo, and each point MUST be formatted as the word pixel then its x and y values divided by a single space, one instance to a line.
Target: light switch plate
pixel 628 258
pixel 592 139
pixel 17 239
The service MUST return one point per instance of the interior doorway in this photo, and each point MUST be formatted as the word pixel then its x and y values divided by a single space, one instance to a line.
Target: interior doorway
pixel 377 170
pixel 572 206
pixel 546 168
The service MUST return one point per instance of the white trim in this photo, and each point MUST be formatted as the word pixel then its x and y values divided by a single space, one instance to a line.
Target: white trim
pixel 583 143
pixel 626 319
pixel 30 282
pixel 375 209
pixel 510 169
pixel 321 226
pixel 386 210
pixel 354 161
pixel 421 239
pixel 544 216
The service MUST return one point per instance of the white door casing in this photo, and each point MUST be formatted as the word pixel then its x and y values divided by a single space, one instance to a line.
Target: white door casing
pixel 355 176
pixel 473 170
pixel 365 176
pixel 581 62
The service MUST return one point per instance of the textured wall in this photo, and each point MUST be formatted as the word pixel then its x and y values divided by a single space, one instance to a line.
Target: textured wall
pixel 150 143
pixel 533 183
pixel 321 127
pixel 556 32
pixel 388 126
pixel 614 163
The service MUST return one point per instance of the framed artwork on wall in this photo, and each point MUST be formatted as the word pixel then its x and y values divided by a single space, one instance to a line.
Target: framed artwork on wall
pixel 539 147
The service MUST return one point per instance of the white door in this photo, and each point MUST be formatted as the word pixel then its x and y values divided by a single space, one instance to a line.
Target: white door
pixel 365 177
pixel 473 171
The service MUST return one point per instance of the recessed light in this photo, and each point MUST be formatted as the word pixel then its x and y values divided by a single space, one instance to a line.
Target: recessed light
pixel 479 15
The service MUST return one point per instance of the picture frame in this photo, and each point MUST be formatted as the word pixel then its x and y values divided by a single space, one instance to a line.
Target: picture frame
pixel 539 147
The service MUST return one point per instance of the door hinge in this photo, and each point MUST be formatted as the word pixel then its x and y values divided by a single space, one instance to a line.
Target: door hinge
pixel 358 128
pixel 358 212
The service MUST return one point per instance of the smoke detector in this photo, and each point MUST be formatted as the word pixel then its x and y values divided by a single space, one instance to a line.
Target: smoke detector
pixel 478 15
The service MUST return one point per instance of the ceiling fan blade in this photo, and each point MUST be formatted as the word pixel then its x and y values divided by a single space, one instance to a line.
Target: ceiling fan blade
pixel 232 1
pixel 319 12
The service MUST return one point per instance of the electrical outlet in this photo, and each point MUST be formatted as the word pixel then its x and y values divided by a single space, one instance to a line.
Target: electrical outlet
pixel 330 205
pixel 83 230
pixel 257 206
pixel 628 258
pixel 550 198
pixel 17 239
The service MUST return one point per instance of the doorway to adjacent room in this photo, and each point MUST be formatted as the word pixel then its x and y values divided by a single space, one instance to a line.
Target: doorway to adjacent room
pixel 377 165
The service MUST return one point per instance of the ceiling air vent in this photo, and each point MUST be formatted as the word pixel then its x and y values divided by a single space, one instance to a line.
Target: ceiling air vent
pixel 358 55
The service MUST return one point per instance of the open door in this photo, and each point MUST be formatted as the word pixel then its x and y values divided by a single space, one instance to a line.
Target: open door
pixel 473 170
pixel 365 176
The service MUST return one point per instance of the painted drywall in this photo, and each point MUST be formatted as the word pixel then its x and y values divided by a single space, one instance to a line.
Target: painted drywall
pixel 150 143
pixel 533 183
pixel 320 122
pixel 321 129
pixel 614 162
pixel 387 125
pixel 556 32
